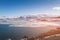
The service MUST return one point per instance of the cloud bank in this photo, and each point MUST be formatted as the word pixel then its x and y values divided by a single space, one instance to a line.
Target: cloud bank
pixel 56 8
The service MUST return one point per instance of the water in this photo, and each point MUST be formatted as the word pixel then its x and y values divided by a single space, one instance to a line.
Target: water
pixel 16 33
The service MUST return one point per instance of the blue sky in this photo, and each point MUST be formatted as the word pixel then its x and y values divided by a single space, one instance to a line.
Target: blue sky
pixel 26 7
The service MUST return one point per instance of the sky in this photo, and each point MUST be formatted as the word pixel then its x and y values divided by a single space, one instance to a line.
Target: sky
pixel 15 8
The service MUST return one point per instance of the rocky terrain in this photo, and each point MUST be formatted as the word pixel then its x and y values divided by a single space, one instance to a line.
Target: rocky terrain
pixel 50 35
pixel 53 34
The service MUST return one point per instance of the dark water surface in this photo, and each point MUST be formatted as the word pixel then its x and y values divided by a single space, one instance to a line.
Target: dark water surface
pixel 18 32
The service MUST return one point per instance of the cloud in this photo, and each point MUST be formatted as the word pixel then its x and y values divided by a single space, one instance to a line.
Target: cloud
pixel 56 8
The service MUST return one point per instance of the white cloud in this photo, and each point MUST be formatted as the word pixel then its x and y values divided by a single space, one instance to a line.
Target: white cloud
pixel 56 8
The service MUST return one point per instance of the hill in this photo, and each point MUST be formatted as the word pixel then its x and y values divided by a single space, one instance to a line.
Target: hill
pixel 50 35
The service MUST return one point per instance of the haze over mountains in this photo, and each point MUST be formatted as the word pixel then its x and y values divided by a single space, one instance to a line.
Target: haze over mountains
pixel 31 21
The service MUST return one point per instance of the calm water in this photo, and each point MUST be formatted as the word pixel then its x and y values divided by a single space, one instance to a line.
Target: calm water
pixel 19 32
